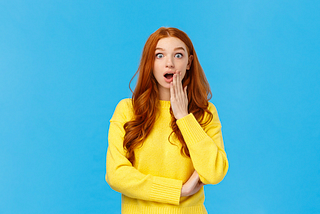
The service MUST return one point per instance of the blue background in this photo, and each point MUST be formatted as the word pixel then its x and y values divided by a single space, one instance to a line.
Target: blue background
pixel 64 65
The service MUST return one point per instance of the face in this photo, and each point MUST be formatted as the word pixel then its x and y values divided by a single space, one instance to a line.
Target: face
pixel 171 56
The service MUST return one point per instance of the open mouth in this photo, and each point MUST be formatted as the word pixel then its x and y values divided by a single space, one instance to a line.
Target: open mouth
pixel 168 76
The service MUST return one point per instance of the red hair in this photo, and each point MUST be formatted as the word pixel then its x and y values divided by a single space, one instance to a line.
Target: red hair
pixel 145 97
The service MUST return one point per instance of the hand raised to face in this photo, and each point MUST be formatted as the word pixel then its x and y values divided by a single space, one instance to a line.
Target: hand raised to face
pixel 178 97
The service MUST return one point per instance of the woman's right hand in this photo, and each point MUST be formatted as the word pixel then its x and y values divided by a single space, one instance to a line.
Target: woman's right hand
pixel 192 186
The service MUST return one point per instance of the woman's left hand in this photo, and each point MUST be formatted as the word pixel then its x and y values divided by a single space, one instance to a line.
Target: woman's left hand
pixel 192 186
pixel 178 97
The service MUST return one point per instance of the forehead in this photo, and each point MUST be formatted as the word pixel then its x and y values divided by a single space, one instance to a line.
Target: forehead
pixel 170 43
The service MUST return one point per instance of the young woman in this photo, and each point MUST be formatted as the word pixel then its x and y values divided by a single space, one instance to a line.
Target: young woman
pixel 166 143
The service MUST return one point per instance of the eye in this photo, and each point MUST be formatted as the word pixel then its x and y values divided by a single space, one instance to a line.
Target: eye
pixel 159 55
pixel 179 55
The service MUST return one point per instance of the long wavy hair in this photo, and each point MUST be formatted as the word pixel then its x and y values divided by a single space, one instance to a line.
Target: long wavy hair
pixel 145 97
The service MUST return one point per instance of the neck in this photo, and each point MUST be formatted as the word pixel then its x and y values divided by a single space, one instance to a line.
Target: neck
pixel 164 94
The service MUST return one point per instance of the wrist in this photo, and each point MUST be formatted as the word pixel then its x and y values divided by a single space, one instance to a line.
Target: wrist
pixel 181 116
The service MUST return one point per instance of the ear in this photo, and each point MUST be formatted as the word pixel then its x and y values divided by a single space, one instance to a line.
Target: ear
pixel 189 62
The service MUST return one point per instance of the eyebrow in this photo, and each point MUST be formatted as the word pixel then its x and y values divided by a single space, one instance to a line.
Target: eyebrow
pixel 177 48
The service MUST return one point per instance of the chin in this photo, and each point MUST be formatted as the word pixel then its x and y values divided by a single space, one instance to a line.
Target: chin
pixel 165 85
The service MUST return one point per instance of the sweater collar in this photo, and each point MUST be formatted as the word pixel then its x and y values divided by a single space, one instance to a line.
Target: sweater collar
pixel 164 104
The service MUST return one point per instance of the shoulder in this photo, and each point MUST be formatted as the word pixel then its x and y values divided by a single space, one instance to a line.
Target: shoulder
pixel 125 103
pixel 212 108
pixel 123 111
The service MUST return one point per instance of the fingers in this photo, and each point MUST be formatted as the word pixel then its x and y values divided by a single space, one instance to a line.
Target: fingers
pixel 177 85
pixel 194 178
pixel 174 87
pixel 178 97
pixel 193 185
pixel 185 92
pixel 172 94
pixel 195 175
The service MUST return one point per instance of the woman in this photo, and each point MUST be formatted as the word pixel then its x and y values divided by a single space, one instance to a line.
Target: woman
pixel 166 143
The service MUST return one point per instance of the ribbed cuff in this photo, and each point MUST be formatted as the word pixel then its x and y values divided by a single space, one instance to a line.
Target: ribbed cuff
pixel 191 130
pixel 165 190
pixel 156 209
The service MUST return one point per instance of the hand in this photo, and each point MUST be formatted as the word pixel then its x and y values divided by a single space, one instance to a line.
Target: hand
pixel 192 186
pixel 178 97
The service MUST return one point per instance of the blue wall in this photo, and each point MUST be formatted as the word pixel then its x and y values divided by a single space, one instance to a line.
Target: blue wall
pixel 64 65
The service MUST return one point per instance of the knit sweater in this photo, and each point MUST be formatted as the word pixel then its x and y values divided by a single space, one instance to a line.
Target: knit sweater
pixel 153 184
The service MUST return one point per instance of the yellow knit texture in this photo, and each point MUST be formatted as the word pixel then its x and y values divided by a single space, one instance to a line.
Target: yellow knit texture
pixel 153 184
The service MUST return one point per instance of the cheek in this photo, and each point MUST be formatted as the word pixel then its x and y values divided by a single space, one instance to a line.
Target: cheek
pixel 157 73
pixel 183 75
pixel 156 66
pixel 155 69
pixel 183 68
pixel 184 71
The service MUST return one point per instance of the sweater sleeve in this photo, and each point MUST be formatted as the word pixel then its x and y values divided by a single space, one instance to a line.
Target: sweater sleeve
pixel 125 178
pixel 205 146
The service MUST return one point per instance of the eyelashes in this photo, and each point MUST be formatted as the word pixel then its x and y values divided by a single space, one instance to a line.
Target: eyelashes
pixel 159 55
pixel 177 55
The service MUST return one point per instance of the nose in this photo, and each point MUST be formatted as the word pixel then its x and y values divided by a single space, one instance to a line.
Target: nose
pixel 169 62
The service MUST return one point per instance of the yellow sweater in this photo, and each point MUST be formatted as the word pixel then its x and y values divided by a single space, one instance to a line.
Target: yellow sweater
pixel 153 184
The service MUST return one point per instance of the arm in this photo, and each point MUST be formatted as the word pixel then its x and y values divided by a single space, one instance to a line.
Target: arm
pixel 124 178
pixel 206 147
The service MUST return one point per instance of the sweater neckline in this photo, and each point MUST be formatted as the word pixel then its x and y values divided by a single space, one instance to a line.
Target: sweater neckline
pixel 164 103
